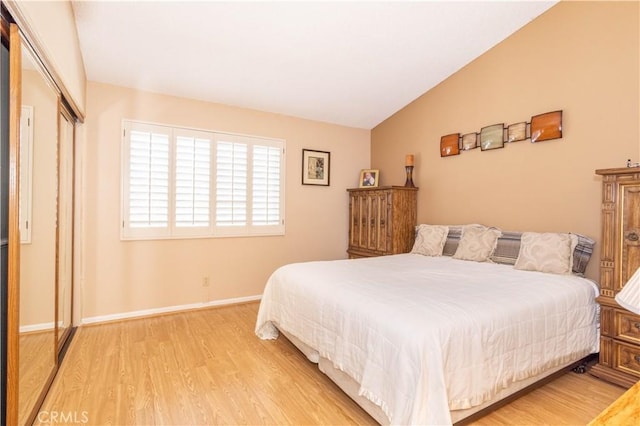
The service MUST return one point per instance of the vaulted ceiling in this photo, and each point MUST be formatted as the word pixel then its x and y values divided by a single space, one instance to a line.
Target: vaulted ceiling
pixel 350 63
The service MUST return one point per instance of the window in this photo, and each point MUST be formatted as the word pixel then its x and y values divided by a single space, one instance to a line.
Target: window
pixel 181 182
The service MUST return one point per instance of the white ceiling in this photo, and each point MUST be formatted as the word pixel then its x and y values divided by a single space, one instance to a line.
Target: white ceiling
pixel 350 63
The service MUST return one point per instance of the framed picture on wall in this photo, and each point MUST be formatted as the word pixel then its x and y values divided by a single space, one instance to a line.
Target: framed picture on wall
pixel 315 167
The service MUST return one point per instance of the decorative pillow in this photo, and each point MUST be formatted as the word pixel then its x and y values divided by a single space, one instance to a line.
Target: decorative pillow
pixel 453 239
pixel 582 253
pixel 477 243
pixel 545 252
pixel 507 248
pixel 430 239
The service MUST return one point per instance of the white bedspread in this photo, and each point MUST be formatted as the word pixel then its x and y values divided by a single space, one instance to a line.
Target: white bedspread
pixel 425 335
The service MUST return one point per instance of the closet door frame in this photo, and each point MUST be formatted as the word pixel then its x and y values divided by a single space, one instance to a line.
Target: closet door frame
pixel 13 267
pixel 66 147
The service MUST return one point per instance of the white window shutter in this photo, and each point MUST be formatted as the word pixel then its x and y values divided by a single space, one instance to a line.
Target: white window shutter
pixel 147 180
pixel 266 186
pixel 192 181
pixel 231 184
pixel 179 182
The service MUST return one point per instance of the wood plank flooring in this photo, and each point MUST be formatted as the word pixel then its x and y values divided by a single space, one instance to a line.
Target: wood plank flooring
pixel 206 367
pixel 37 361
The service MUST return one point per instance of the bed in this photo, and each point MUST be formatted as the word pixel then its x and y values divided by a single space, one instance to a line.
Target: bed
pixel 433 336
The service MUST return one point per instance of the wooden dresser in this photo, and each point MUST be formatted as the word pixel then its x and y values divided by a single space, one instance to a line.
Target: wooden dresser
pixel 381 220
pixel 619 258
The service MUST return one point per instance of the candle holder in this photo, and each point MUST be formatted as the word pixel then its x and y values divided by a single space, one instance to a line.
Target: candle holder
pixel 409 182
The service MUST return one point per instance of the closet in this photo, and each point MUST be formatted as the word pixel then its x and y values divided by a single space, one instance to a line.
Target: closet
pixel 37 165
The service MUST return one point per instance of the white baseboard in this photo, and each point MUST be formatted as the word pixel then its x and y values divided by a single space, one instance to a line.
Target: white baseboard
pixel 45 326
pixel 167 309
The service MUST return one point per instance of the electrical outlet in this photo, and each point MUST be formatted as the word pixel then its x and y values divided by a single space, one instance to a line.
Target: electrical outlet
pixel 205 281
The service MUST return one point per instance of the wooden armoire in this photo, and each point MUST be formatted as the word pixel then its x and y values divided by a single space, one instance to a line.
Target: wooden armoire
pixel 382 220
pixel 619 258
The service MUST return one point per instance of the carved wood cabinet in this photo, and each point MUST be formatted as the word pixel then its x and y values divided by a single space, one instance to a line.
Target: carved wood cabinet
pixel 619 258
pixel 381 220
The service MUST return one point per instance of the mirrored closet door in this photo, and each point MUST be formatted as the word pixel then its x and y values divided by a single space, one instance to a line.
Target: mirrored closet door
pixel 40 187
pixel 38 218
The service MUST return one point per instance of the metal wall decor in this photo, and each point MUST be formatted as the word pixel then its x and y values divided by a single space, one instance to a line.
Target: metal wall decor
pixel 492 137
pixel 469 141
pixel 517 132
pixel 546 126
pixel 542 127
pixel 450 145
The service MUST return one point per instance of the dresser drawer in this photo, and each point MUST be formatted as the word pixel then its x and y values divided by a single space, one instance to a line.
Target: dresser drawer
pixel 627 358
pixel 627 326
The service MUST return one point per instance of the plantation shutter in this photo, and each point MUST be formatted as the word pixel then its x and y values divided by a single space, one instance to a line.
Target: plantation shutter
pixel 192 180
pixel 147 183
pixel 231 183
pixel 179 182
pixel 266 185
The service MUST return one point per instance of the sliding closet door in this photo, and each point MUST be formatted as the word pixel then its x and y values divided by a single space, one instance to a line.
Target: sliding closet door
pixel 4 203
pixel 38 213
pixel 32 256
pixel 36 224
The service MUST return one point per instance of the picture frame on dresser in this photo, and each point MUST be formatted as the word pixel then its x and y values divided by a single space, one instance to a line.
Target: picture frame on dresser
pixel 369 178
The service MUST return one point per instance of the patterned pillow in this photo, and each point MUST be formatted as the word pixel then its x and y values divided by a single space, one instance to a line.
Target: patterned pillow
pixel 507 248
pixel 453 239
pixel 430 239
pixel 582 253
pixel 477 243
pixel 546 252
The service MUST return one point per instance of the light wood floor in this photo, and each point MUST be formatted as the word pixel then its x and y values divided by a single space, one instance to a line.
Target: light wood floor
pixel 37 361
pixel 207 367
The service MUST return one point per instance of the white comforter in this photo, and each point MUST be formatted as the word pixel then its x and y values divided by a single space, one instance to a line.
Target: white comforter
pixel 425 335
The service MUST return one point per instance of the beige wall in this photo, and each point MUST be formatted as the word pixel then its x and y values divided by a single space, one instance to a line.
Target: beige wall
pixel 582 58
pixel 120 277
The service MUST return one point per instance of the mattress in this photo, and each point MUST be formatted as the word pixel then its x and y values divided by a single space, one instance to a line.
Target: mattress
pixel 424 336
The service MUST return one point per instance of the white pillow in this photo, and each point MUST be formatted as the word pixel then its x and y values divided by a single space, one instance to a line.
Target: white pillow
pixel 545 252
pixel 430 239
pixel 477 243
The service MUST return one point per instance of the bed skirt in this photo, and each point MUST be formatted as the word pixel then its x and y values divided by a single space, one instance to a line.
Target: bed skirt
pixel 351 387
